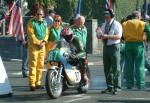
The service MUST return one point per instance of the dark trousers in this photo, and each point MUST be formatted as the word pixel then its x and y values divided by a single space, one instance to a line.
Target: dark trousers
pixel 111 61
pixel 24 61
pixel 22 53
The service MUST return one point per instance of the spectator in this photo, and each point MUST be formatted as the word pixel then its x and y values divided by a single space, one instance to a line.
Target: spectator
pixel 133 32
pixel 54 35
pixel 25 59
pixel 37 4
pixel 111 32
pixel 147 64
pixel 122 54
pixel 50 18
pixel 36 48
pixel 122 61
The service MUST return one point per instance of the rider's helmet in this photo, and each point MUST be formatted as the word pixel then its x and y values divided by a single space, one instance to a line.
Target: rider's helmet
pixel 67 34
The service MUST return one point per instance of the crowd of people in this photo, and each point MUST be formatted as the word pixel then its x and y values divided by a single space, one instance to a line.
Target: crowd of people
pixel 43 34
pixel 124 56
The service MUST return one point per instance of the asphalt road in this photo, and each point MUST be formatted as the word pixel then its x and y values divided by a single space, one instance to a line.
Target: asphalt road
pixel 21 93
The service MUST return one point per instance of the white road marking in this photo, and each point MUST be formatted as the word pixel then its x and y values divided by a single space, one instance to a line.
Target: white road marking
pixel 90 63
pixel 16 60
pixel 77 99
pixel 139 99
pixel 20 73
pixel 95 63
pixel 15 73
pixel 76 95
pixel 126 98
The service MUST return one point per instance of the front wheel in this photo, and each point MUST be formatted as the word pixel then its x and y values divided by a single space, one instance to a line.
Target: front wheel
pixel 53 87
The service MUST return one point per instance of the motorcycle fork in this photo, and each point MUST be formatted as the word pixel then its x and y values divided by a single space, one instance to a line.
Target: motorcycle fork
pixel 59 73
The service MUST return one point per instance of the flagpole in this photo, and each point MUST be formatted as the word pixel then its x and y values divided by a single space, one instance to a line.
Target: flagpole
pixel 144 9
pixel 78 8
pixel 12 6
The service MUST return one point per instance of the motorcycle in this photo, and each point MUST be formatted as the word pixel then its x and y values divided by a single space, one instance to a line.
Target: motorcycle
pixel 64 72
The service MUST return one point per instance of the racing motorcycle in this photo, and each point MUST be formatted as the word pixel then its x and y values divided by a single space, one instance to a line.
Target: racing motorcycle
pixel 65 72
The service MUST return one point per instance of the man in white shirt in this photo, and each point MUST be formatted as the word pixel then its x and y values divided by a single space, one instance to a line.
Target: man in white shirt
pixel 49 17
pixel 111 32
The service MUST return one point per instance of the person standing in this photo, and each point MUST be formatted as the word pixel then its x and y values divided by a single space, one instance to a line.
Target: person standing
pixel 25 58
pixel 110 33
pixel 50 18
pixel 133 33
pixel 38 34
pixel 147 64
pixel 54 35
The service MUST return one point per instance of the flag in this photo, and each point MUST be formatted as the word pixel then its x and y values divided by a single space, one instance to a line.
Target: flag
pixel 108 4
pixel 16 24
pixel 4 13
pixel 78 8
pixel 144 9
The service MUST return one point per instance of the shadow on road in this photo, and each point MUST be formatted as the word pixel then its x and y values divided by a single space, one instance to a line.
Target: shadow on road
pixel 27 98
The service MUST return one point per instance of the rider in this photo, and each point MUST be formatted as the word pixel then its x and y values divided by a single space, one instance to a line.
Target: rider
pixel 77 46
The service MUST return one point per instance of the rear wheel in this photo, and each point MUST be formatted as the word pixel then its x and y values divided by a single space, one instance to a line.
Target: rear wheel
pixel 53 87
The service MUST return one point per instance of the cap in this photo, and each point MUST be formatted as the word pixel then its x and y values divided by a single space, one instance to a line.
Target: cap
pixel 106 13
pixel 109 12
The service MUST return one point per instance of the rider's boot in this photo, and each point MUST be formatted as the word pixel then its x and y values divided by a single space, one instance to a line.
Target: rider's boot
pixel 84 77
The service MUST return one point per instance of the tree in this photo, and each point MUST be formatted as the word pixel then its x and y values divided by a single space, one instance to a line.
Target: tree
pixel 90 8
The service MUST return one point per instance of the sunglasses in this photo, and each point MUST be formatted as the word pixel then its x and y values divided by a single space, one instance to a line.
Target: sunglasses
pixel 57 20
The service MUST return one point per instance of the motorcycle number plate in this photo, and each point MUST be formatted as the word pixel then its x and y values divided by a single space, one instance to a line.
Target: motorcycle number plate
pixel 78 76
pixel 50 56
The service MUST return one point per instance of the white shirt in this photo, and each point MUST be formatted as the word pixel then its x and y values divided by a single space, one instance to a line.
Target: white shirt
pixel 116 29
pixel 49 20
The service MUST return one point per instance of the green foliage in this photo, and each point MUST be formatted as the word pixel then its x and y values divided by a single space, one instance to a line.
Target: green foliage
pixel 49 3
pixel 64 10
pixel 125 7
pixel 91 9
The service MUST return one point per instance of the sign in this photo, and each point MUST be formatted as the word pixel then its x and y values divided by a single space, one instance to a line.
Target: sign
pixel 5 88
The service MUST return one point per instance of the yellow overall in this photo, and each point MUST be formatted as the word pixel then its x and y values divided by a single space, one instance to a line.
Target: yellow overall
pixel 37 33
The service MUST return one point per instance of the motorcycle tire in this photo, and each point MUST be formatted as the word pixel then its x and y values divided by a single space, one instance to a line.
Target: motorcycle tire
pixel 53 88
